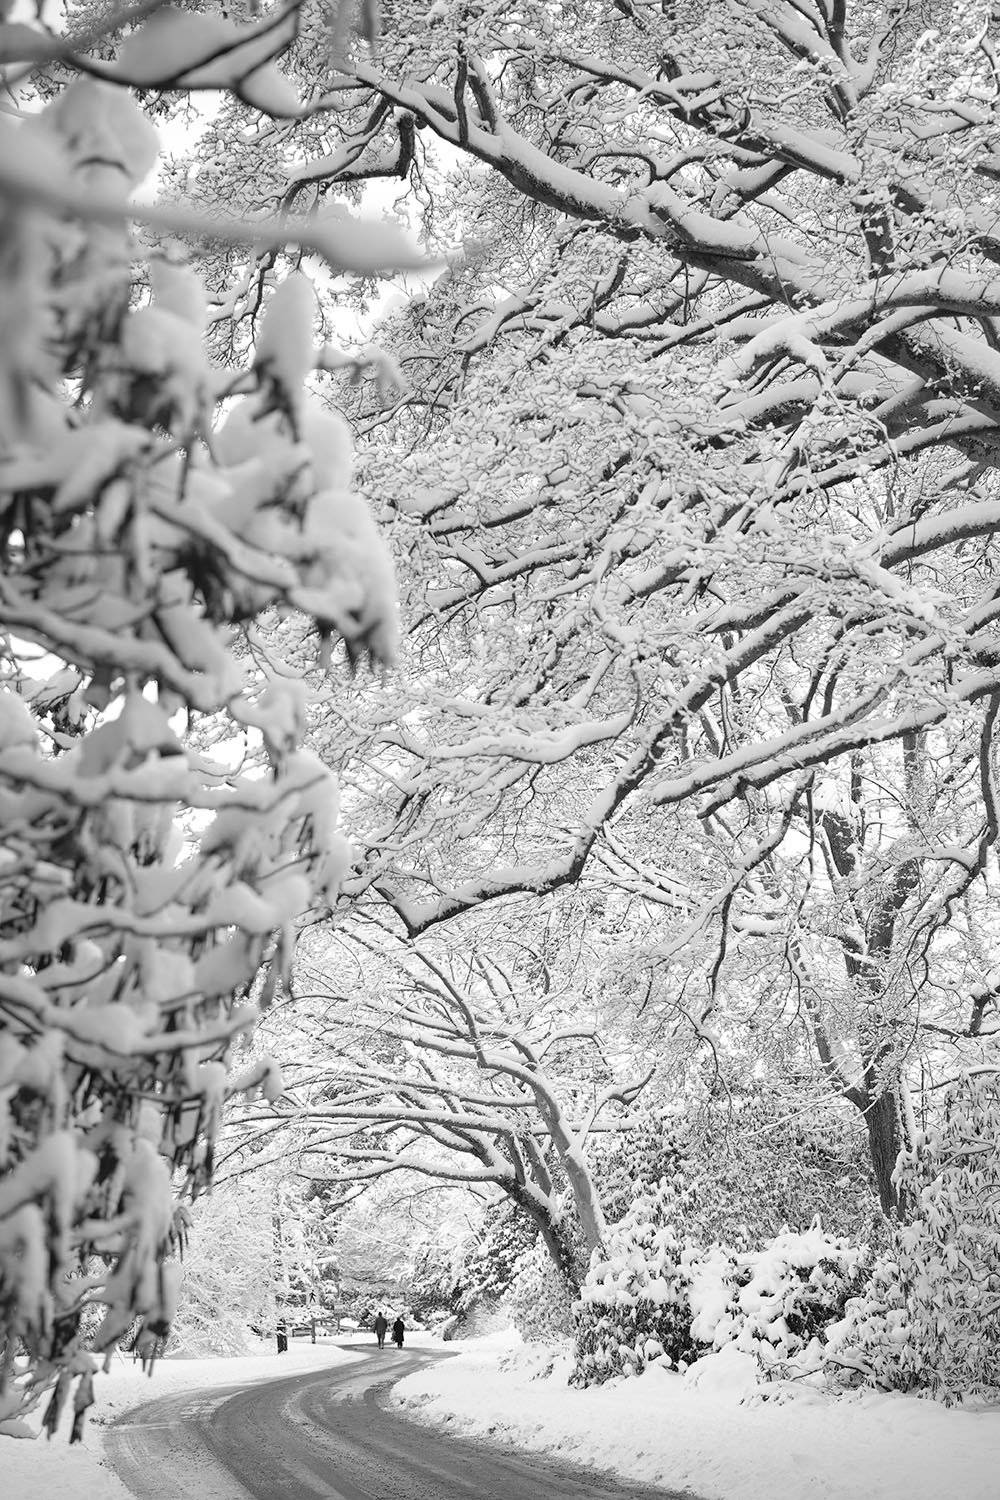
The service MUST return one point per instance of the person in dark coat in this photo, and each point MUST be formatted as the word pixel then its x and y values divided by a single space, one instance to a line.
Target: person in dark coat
pixel 397 1333
pixel 380 1325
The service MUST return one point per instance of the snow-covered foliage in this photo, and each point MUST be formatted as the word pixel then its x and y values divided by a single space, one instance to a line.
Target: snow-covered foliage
pixel 142 885
pixel 486 1270
pixel 256 1254
pixel 698 520
pixel 697 511
pixel 658 1296
pixel 752 1163
pixel 634 1304
pixel 433 1282
pixel 498 1276
pixel 689 450
pixel 914 1310
pixel 930 1317
pixel 538 1302
pixel 782 1297
pixel 228 1272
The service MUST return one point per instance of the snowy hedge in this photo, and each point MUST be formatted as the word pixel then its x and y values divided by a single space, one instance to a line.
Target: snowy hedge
pixel 784 1296
pixel 656 1296
pixel 635 1301
pixel 924 1317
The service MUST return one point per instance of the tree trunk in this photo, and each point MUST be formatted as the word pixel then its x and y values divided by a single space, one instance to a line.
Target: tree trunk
pixel 555 1242
pixel 886 1139
pixel 562 1256
pixel 586 1197
pixel 581 1182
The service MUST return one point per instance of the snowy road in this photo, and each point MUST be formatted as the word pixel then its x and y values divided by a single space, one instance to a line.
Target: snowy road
pixel 327 1436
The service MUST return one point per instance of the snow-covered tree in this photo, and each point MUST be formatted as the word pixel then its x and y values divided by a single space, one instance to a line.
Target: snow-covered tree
pixel 689 457
pixel 146 888
pixel 467 1068
pixel 706 527
pixel 228 1285
pixel 702 542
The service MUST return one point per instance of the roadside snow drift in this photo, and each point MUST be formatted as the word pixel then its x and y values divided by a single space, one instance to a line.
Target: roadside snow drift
pixel 715 1431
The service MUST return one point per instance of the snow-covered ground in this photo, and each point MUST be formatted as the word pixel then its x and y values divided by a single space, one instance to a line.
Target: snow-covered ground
pixel 719 1434
pixel 42 1470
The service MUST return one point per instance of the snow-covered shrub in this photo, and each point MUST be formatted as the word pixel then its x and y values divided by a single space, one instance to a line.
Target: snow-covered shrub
pixel 929 1318
pixel 484 1271
pixel 634 1303
pixel 538 1301
pixel 655 1295
pixel 781 1298
pixel 432 1283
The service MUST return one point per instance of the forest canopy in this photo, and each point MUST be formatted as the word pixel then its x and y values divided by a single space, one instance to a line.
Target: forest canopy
pixel 649 355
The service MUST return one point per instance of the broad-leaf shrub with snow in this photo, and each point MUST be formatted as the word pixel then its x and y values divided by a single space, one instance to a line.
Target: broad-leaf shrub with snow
pixel 538 1300
pixel 658 1295
pixel 929 1319
pixel 634 1303
pixel 432 1287
pixel 782 1297
pixel 135 548
pixel 489 1265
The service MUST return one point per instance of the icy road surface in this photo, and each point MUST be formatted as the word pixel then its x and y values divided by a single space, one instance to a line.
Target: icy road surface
pixel 326 1436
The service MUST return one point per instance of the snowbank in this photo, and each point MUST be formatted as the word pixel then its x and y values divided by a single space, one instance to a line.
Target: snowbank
pixel 713 1433
pixel 42 1470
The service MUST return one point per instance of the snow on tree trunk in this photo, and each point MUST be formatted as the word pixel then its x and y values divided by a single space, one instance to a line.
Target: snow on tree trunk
pixel 885 1141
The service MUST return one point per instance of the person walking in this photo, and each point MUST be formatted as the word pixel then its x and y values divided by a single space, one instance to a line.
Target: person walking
pixel 380 1325
pixel 397 1333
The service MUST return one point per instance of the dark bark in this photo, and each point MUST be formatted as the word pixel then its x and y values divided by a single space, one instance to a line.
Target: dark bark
pixel 562 1255
pixel 885 1141
pixel 554 1238
pixel 865 963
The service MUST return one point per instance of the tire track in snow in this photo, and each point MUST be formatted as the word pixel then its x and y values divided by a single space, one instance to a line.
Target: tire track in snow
pixel 327 1436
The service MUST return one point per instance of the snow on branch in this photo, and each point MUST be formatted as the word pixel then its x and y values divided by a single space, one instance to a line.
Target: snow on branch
pixel 148 893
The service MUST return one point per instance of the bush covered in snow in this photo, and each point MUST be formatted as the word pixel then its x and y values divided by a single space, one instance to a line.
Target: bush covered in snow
pixel 476 1279
pixel 655 1296
pixel 783 1297
pixel 929 1318
pixel 634 1304
pixel 924 1317
pixel 538 1301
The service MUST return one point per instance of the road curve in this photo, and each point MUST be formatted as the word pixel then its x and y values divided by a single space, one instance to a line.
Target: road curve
pixel 326 1435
